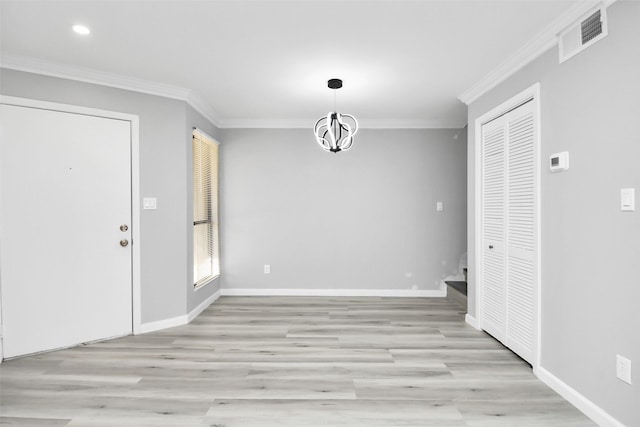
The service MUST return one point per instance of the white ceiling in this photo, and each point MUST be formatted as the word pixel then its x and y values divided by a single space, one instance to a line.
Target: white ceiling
pixel 266 63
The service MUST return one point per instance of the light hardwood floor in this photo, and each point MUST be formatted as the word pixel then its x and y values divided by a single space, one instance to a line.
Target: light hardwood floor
pixel 289 361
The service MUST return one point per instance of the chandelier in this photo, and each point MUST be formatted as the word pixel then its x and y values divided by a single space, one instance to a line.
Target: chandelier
pixel 335 131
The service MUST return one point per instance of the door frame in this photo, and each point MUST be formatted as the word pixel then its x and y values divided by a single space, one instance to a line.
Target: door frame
pixel 136 303
pixel 530 93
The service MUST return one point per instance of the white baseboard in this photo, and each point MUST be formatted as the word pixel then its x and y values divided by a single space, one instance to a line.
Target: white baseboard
pixel 163 324
pixel 436 293
pixel 590 409
pixel 472 321
pixel 203 306
pixel 178 320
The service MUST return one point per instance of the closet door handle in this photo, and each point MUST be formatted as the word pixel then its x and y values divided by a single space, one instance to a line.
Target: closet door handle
pixel 490 246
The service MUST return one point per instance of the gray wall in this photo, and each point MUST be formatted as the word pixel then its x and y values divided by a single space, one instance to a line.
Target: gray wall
pixel 362 219
pixel 165 157
pixel 590 249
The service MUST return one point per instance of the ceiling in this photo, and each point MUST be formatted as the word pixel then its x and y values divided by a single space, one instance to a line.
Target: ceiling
pixel 266 63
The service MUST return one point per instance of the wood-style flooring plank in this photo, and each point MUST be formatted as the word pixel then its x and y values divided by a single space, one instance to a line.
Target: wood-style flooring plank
pixel 271 413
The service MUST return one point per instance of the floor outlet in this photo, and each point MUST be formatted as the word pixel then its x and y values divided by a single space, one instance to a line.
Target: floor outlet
pixel 623 369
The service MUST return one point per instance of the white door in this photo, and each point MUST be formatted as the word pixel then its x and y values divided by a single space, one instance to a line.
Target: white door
pixel 65 184
pixel 521 231
pixel 509 229
pixel 493 230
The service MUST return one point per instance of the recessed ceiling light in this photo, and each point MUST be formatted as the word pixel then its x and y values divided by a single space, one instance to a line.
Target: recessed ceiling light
pixel 81 29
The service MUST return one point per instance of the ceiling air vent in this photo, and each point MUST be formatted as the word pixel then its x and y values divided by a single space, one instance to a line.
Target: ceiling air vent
pixel 590 28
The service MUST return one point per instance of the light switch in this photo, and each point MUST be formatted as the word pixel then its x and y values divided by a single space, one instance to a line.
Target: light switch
pixel 623 369
pixel 628 199
pixel 439 206
pixel 149 203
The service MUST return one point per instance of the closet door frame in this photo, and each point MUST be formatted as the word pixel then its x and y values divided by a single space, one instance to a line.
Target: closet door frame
pixel 531 94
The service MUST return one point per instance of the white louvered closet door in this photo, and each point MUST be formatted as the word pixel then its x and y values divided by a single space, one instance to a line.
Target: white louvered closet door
pixel 493 230
pixel 521 231
pixel 509 230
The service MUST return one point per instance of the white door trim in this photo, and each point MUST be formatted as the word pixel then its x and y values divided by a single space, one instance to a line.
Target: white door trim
pixel 532 92
pixel 135 187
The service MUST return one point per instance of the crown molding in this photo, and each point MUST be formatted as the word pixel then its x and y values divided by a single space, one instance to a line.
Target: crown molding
pixel 411 124
pixel 118 81
pixel 91 75
pixel 362 124
pixel 201 106
pixel 542 42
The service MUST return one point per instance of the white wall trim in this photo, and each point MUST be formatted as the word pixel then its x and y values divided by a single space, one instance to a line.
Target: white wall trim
pixel 136 235
pixel 119 81
pixel 590 409
pixel 163 324
pixel 178 320
pixel 439 293
pixel 363 123
pixel 543 41
pixel 136 282
pixel 203 306
pixel 201 106
pixel 103 78
pixel 472 321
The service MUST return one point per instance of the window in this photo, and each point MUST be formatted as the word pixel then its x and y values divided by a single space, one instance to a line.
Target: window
pixel 206 262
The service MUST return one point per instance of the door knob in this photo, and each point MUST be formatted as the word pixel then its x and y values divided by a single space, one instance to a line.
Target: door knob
pixel 124 227
pixel 124 242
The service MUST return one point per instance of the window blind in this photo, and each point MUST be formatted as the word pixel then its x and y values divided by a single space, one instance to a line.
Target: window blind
pixel 206 263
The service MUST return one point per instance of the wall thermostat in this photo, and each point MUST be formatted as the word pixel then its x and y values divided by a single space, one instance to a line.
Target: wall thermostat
pixel 559 162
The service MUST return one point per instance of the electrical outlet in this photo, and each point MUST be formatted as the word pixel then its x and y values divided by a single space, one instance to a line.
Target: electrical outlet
pixel 623 369
pixel 267 269
pixel 439 206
